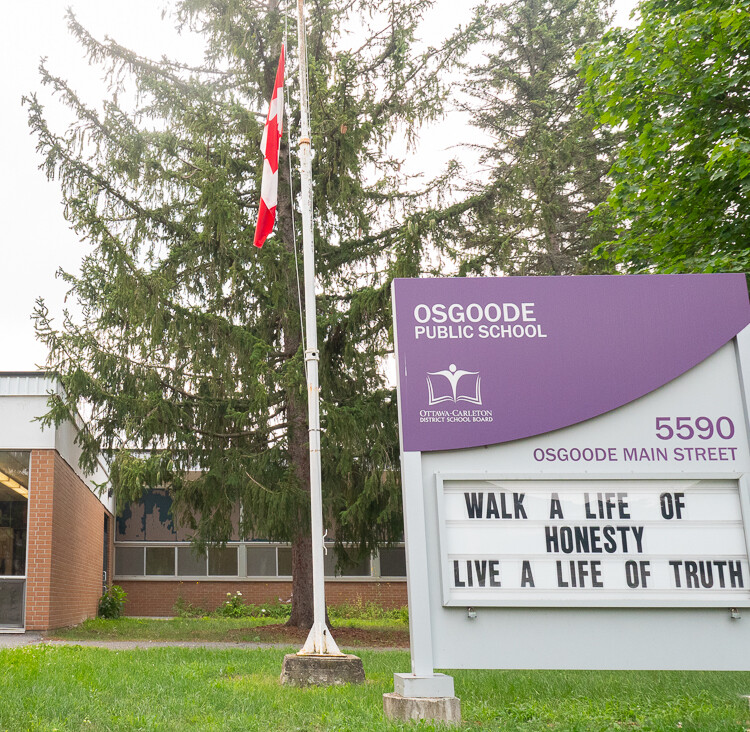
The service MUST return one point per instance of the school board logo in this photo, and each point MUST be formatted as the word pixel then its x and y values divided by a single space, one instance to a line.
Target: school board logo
pixel 453 385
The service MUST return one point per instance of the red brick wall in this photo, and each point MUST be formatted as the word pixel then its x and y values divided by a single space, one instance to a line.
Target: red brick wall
pixel 39 539
pixel 156 598
pixel 66 532
pixel 386 594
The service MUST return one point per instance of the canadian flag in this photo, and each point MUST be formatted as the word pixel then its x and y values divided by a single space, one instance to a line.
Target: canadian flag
pixel 270 148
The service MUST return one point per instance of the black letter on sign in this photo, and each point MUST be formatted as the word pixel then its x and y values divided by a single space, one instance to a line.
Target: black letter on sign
pixel 555 509
pixel 672 505
pixel 735 574
pixel 527 579
pixel 481 569
pixel 456 576
pixel 631 574
pixel 494 573
pixel 550 532
pixel 474 504
pixel 676 567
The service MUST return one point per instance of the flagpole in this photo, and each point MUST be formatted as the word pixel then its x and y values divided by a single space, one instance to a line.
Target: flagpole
pixel 319 641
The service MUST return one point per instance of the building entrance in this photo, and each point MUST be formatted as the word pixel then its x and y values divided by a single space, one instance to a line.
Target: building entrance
pixel 14 505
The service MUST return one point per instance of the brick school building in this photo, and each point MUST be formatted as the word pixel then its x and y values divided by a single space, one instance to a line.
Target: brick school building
pixel 157 566
pixel 56 531
pixel 61 544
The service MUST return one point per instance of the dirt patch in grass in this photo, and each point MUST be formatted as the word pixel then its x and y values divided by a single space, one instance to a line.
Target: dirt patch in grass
pixel 347 633
pixel 344 637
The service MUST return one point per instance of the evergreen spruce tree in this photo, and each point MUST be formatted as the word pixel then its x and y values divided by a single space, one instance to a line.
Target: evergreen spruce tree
pixel 188 350
pixel 546 162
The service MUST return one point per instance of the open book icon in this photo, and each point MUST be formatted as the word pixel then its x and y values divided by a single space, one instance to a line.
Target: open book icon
pixel 453 385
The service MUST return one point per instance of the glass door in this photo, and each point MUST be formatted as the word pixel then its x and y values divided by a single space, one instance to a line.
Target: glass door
pixel 14 516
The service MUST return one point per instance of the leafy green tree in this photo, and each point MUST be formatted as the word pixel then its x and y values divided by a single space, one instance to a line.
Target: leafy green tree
pixel 679 85
pixel 188 348
pixel 546 161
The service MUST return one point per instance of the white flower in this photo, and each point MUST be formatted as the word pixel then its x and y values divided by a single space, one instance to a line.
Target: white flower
pixel 239 594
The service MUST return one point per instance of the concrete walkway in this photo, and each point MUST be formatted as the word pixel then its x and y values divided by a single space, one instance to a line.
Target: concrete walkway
pixel 132 645
pixel 13 640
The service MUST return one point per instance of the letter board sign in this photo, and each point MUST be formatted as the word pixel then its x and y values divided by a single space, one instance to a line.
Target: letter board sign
pixel 592 542
pixel 575 445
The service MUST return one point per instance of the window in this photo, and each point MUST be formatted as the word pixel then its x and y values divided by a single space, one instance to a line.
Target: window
pixel 190 565
pixel 160 560
pixel 242 559
pixel 285 561
pixel 14 512
pixel 11 603
pixel 360 568
pixel 393 562
pixel 14 503
pixel 223 561
pixel 129 560
pixel 261 561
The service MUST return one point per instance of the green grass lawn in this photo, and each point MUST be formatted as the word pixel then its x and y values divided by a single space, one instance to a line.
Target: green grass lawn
pixel 161 629
pixel 74 688
pixel 209 628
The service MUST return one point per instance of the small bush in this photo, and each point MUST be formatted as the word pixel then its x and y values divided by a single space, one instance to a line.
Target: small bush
pixel 184 609
pixel 400 613
pixel 278 610
pixel 359 610
pixel 112 602
pixel 234 607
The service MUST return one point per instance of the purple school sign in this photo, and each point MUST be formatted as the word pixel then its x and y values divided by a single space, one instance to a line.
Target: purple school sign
pixel 488 360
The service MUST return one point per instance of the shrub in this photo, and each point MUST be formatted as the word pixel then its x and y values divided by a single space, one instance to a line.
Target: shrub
pixel 184 609
pixel 360 610
pixel 234 607
pixel 112 602
pixel 276 610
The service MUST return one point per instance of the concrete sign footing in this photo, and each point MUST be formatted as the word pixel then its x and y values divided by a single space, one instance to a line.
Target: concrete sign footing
pixel 412 708
pixel 322 670
pixel 432 685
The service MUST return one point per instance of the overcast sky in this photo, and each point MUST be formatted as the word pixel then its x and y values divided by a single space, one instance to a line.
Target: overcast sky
pixel 35 239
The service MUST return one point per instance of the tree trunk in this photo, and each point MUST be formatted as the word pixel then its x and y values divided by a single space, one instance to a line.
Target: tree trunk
pixel 299 452
pixel 302 585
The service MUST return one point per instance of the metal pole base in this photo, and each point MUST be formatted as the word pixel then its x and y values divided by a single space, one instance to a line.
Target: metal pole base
pixel 319 642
